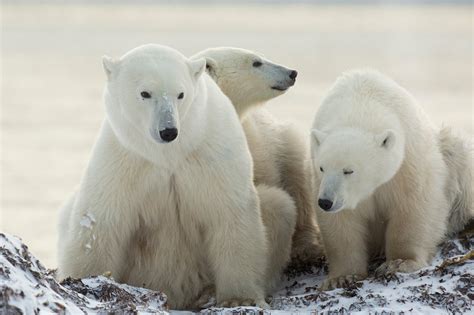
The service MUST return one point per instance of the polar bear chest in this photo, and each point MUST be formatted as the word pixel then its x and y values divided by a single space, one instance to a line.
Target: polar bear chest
pixel 169 243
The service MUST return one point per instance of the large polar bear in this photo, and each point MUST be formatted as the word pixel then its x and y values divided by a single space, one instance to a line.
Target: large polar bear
pixel 278 150
pixel 387 178
pixel 168 201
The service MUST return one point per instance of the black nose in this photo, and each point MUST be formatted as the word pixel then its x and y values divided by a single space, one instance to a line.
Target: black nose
pixel 325 204
pixel 293 74
pixel 169 134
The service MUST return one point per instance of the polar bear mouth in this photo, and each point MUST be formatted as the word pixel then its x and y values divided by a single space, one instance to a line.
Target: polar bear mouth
pixel 338 206
pixel 280 88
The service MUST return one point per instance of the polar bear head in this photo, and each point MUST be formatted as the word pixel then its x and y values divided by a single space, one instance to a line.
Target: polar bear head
pixel 151 87
pixel 247 78
pixel 352 164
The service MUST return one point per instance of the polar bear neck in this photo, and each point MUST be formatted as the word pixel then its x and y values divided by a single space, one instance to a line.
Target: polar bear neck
pixel 244 108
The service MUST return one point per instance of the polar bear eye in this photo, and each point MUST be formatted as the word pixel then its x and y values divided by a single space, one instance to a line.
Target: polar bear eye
pixel 180 96
pixel 145 94
pixel 347 172
pixel 321 169
pixel 257 64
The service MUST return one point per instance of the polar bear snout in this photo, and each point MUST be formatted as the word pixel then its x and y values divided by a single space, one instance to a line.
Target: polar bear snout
pixel 289 79
pixel 165 121
pixel 325 204
pixel 168 134
pixel 293 74
pixel 283 77
pixel 164 135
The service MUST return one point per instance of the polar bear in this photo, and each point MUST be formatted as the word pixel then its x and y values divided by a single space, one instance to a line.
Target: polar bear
pixel 457 154
pixel 279 152
pixel 167 201
pixel 382 174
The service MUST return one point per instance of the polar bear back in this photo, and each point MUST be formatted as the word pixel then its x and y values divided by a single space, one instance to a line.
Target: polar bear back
pixel 367 100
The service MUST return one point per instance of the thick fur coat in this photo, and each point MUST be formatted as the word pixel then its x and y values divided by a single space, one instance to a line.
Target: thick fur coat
pixel 388 181
pixel 280 153
pixel 168 201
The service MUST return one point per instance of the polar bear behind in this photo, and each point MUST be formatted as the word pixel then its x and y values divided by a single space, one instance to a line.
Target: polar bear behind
pixel 167 201
pixel 382 175
pixel 278 150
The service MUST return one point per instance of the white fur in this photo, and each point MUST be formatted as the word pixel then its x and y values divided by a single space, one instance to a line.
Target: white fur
pixel 457 154
pixel 394 201
pixel 278 150
pixel 181 216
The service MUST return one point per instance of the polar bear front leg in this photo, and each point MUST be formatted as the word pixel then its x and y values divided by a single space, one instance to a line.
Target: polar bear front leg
pixel 238 254
pixel 345 239
pixel 412 236
pixel 307 246
pixel 279 217
pixel 96 242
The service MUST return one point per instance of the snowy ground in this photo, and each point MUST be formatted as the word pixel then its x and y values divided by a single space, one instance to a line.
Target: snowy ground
pixel 447 287
pixel 27 287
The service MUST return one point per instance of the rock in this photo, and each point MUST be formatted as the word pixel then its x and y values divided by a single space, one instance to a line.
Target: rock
pixel 27 287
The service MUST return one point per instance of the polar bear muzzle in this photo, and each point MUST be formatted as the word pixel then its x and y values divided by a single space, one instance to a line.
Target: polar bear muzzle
pixel 165 121
pixel 325 204
pixel 287 78
pixel 169 134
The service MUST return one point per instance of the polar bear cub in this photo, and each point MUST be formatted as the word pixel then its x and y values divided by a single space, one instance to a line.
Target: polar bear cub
pixel 167 201
pixel 278 150
pixel 382 178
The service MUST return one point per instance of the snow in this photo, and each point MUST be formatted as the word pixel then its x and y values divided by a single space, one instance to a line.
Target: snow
pixel 19 273
pixel 87 221
pixel 26 287
pixel 447 286
pixel 437 289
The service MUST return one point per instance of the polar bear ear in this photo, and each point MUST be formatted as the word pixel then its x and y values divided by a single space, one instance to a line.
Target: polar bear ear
pixel 110 66
pixel 211 67
pixel 386 139
pixel 317 137
pixel 197 67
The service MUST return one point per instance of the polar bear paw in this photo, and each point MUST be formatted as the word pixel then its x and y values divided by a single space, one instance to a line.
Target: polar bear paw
pixel 243 302
pixel 307 247
pixel 398 265
pixel 340 282
pixel 307 252
pixel 206 298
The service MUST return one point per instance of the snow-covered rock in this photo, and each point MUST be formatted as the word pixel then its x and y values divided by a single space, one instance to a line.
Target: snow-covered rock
pixel 445 287
pixel 26 287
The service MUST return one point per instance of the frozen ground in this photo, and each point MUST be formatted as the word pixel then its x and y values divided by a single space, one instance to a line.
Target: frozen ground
pixel 52 77
pixel 445 288
pixel 27 287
